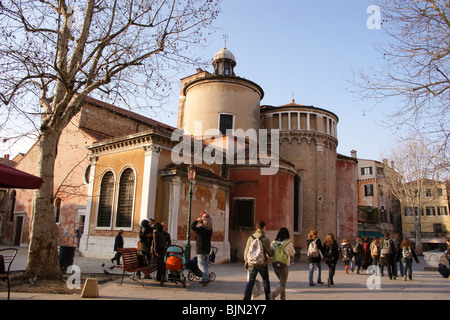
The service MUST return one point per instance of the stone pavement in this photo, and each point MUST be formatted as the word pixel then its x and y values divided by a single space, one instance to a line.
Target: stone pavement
pixel 231 281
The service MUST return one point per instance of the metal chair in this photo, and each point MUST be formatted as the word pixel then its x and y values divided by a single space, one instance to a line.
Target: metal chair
pixel 7 257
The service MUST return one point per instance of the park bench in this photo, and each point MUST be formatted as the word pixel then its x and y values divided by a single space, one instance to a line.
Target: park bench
pixel 7 257
pixel 133 264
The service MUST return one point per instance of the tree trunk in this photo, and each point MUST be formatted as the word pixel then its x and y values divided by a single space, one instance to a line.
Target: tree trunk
pixel 43 260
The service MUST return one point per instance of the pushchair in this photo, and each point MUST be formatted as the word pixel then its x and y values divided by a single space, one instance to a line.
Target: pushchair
pixel 194 270
pixel 174 261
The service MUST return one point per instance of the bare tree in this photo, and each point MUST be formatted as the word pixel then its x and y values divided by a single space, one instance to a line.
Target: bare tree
pixel 55 53
pixel 412 173
pixel 415 68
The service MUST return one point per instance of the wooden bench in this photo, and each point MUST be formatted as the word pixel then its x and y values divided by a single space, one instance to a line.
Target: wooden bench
pixel 7 257
pixel 131 263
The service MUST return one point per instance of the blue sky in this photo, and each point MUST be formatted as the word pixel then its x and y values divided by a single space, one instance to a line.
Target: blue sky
pixel 307 49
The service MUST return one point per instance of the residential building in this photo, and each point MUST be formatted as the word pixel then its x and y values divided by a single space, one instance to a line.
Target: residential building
pixel 378 210
pixel 434 213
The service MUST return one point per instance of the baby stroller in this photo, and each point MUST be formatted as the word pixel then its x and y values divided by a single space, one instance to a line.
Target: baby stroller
pixel 174 261
pixel 194 270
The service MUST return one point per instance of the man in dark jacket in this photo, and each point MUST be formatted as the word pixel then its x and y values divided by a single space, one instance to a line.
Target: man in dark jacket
pixel 118 244
pixel 203 232
pixel 387 256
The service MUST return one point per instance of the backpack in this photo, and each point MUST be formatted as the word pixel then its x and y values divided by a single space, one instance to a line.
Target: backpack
pixel 407 253
pixel 357 247
pixel 280 257
pixel 374 251
pixel 387 247
pixel 255 253
pixel 313 250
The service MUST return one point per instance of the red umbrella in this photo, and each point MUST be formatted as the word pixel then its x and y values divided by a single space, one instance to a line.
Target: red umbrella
pixel 13 178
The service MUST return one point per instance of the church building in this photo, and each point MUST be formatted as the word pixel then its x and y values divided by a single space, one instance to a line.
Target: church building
pixel 252 162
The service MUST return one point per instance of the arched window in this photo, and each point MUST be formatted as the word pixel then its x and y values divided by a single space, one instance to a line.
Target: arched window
pixel 105 200
pixel 297 204
pixel 125 201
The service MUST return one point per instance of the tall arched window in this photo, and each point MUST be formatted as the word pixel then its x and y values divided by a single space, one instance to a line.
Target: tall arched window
pixel 297 204
pixel 106 200
pixel 57 210
pixel 125 201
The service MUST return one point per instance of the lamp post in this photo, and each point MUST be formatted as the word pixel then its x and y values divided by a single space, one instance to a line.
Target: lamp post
pixel 191 176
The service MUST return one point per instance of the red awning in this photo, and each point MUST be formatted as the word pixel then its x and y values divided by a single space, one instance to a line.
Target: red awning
pixel 13 178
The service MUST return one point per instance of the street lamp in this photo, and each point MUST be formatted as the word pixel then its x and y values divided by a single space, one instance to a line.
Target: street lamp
pixel 191 176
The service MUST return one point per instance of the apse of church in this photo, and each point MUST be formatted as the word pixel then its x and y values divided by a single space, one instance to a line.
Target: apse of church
pixel 301 194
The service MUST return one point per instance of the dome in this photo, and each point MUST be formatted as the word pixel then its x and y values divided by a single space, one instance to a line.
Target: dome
pixel 224 62
pixel 224 53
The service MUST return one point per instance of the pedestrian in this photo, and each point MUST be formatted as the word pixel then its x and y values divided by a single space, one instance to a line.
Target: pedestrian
pixel 283 245
pixel 358 253
pixel 159 245
pixel 165 228
pixel 398 238
pixel 313 254
pixel 387 255
pixel 346 254
pixel 407 255
pixel 331 257
pixel 367 258
pixel 203 228
pixel 447 251
pixel 145 239
pixel 261 268
pixel 375 251
pixel 118 244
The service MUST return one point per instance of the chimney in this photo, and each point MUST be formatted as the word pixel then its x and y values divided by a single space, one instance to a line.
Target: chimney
pixel 353 153
pixel 6 156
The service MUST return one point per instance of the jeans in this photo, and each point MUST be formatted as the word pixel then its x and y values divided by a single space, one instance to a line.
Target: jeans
pixel 203 261
pixel 358 261
pixel 253 272
pixel 407 268
pixel 388 261
pixel 331 272
pixel 282 274
pixel 311 272
pixel 400 262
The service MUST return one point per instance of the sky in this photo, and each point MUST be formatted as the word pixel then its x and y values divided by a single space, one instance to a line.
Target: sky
pixel 305 50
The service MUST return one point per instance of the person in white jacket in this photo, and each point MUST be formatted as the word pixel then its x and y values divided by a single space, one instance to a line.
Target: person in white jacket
pixel 281 269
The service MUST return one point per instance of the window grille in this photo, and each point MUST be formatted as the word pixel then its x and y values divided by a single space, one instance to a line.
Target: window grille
pixel 126 196
pixel 105 201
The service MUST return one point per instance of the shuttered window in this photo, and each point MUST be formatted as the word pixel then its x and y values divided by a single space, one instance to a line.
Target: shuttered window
pixel 125 201
pixel 106 200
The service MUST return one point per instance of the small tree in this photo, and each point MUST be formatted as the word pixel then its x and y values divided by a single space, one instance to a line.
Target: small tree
pixel 53 54
pixel 412 172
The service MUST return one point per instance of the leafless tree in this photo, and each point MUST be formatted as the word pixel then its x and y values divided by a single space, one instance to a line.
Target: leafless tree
pixel 412 171
pixel 55 53
pixel 415 68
